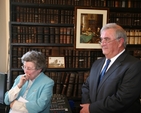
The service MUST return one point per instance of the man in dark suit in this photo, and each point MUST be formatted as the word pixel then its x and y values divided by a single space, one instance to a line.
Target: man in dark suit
pixel 119 89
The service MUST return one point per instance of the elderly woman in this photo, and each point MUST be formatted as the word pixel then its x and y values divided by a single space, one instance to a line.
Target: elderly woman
pixel 32 91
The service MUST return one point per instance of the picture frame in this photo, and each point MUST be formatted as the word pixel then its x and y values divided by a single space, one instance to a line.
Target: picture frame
pixel 88 23
pixel 56 62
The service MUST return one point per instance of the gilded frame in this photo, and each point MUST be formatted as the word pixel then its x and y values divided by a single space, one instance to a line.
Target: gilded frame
pixel 88 23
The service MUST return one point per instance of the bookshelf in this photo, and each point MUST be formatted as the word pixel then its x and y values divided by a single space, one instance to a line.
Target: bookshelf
pixel 49 26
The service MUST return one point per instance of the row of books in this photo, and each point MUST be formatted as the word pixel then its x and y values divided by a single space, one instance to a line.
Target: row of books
pixel 80 59
pixel 41 15
pixel 17 53
pixel 122 18
pixel 118 3
pixel 38 34
pixel 68 83
pixel 58 35
pixel 134 36
pixel 97 3
pixel 73 58
pixel 61 2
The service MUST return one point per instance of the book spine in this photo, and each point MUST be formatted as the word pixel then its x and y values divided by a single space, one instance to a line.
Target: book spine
pixel 75 85
pixel 70 85
pixel 65 84
pixel 58 83
pixel 80 82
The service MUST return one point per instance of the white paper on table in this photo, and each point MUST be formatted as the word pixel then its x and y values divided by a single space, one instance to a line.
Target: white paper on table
pixel 21 99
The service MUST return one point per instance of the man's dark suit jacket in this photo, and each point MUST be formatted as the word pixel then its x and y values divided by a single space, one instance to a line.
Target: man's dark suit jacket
pixel 119 90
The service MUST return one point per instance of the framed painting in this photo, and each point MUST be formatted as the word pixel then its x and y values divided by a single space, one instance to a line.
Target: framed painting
pixel 88 23
pixel 56 62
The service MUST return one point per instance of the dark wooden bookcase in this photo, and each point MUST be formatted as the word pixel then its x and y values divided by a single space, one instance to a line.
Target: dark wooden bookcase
pixel 49 26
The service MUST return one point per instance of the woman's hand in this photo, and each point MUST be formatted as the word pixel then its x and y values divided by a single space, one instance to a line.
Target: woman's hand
pixel 11 104
pixel 23 79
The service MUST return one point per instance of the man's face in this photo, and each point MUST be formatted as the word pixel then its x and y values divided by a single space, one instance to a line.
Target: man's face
pixel 109 44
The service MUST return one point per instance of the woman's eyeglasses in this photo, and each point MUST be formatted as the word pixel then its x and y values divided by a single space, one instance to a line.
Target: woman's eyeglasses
pixel 27 68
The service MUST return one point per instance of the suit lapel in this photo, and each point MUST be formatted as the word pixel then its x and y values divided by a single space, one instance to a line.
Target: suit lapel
pixel 97 73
